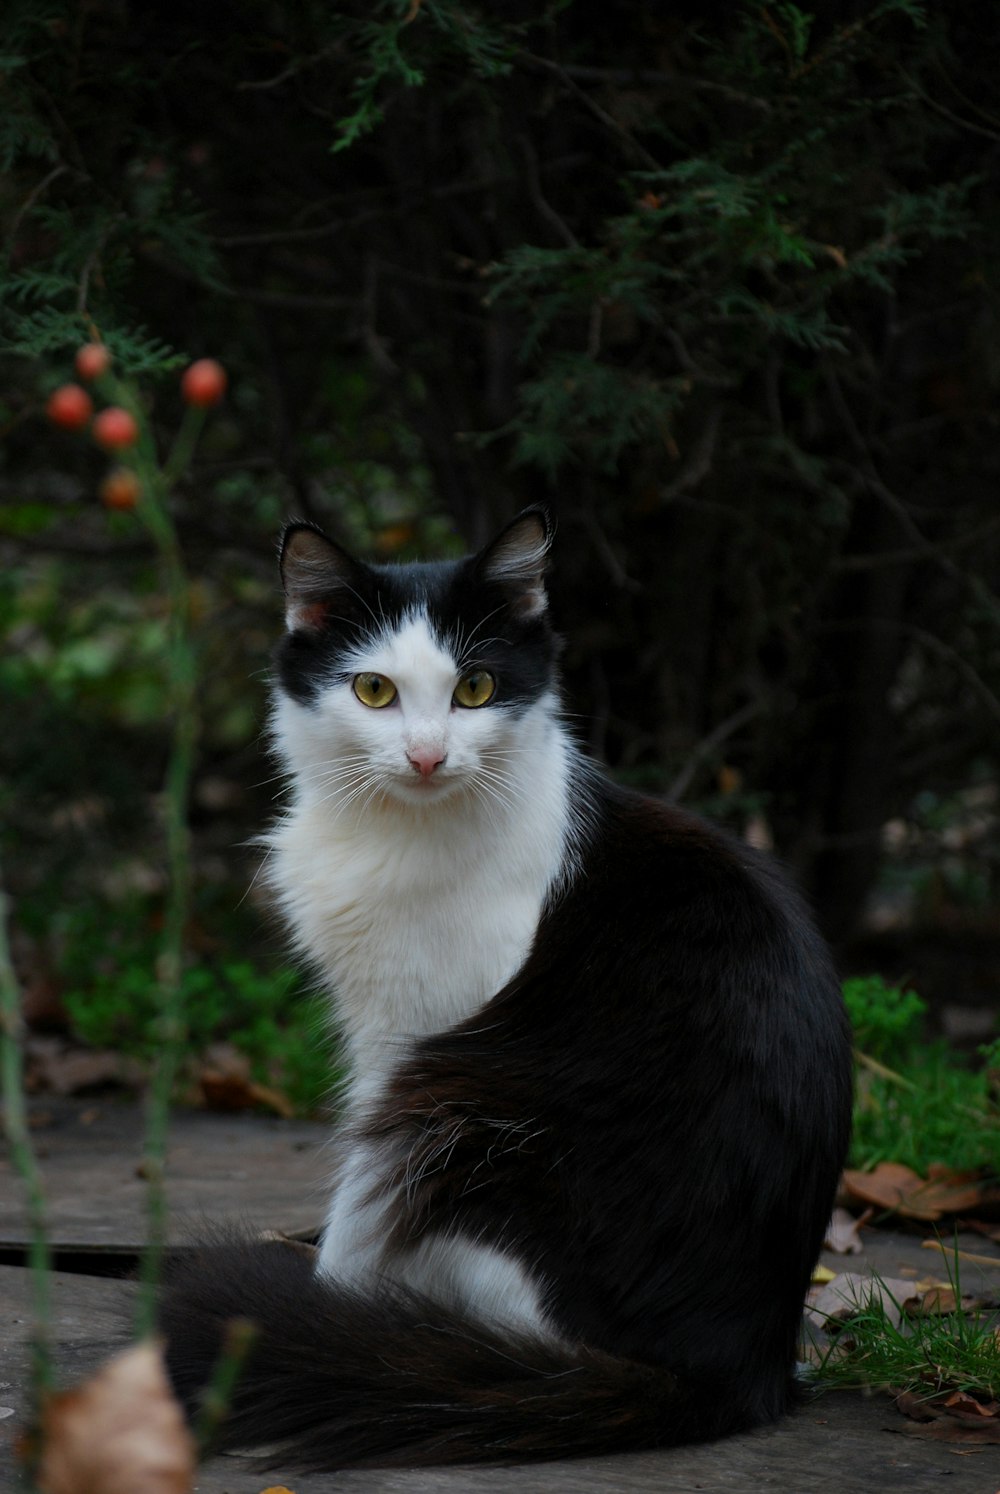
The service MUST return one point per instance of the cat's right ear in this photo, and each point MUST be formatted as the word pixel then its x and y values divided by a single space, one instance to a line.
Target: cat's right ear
pixel 320 579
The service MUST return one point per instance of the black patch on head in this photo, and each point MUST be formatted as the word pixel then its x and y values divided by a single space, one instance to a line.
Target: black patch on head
pixel 487 609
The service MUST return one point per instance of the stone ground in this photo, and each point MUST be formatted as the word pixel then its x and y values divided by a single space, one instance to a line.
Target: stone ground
pixel 272 1171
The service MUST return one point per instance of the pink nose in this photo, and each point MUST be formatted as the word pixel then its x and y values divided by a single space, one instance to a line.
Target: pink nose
pixel 425 760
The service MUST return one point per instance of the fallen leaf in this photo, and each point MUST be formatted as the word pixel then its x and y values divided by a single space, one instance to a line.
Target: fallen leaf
pixel 230 1092
pixel 951 1416
pixel 120 1432
pixel 852 1292
pixel 913 1405
pixel 65 1068
pixel 942 1299
pixel 960 1403
pixel 986 1435
pixel 842 1232
pixel 891 1185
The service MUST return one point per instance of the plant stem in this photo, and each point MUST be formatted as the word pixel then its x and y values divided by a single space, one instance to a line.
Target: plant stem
pixel 15 1125
pixel 218 1395
pixel 182 677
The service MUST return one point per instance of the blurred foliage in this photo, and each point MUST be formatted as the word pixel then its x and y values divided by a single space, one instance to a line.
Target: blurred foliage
pixel 107 959
pixel 716 281
pixel 918 1103
pixel 882 1016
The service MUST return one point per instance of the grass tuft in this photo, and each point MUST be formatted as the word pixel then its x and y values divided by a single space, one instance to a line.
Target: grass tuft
pixel 926 1354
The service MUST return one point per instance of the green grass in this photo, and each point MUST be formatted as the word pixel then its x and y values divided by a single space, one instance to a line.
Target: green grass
pixel 926 1354
pixel 917 1102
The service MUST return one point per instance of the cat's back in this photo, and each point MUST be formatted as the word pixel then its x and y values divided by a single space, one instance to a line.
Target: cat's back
pixel 664 896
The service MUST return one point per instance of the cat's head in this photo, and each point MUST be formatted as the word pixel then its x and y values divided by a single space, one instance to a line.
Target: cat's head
pixel 417 681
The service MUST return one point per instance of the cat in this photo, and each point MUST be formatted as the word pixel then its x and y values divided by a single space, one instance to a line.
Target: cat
pixel 600 1071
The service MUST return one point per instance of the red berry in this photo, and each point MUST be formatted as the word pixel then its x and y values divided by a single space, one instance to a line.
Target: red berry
pixel 120 489
pixel 114 429
pixel 92 360
pixel 69 407
pixel 204 383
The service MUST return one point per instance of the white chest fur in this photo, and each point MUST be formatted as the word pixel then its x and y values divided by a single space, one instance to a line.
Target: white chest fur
pixel 418 914
pixel 415 920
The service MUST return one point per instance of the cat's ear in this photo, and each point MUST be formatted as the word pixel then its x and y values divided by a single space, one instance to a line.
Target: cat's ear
pixel 320 579
pixel 518 559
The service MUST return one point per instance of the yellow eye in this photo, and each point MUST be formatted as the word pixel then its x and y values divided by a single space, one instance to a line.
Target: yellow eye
pixel 374 690
pixel 474 689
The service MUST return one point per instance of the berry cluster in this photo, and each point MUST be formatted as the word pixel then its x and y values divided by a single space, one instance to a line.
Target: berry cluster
pixel 114 428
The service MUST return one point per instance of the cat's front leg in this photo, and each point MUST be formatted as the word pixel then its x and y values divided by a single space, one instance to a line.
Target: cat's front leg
pixel 352 1245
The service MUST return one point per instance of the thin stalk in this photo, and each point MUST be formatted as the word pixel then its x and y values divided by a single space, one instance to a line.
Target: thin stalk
pixel 218 1396
pixel 182 675
pixel 15 1125
pixel 182 679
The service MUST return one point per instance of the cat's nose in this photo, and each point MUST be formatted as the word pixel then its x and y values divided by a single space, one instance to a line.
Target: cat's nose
pixel 425 759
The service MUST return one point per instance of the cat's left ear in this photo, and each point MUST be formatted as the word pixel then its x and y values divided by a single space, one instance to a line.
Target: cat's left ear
pixel 518 559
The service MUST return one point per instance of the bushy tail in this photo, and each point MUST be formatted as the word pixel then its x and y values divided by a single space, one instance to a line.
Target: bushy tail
pixel 335 1379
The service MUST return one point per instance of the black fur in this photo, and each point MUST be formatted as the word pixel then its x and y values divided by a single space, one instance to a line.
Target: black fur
pixel 652 1116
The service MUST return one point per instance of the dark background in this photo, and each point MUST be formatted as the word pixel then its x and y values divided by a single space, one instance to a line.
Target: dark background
pixel 717 282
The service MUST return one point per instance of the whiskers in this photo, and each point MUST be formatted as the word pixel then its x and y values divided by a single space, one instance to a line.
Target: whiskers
pixel 496 783
pixel 343 782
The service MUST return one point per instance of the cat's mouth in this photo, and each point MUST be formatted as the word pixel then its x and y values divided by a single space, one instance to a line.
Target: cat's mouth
pixel 416 788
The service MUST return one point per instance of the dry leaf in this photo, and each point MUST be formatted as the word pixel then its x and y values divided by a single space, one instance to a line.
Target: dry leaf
pixel 65 1068
pixel 942 1299
pixel 960 1403
pixel 120 1432
pixel 851 1292
pixel 985 1435
pixel 229 1092
pixel 952 1416
pixel 916 1406
pixel 225 1083
pixel 842 1232
pixel 893 1186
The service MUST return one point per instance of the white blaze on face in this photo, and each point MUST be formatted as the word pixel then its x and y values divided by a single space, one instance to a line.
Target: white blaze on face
pixel 421 748
pixel 413 736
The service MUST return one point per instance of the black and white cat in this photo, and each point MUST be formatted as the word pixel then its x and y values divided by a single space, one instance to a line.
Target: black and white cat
pixel 599 1085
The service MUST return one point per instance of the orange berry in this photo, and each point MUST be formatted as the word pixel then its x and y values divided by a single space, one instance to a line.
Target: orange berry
pixel 114 429
pixel 120 489
pixel 204 383
pixel 69 407
pixel 92 360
